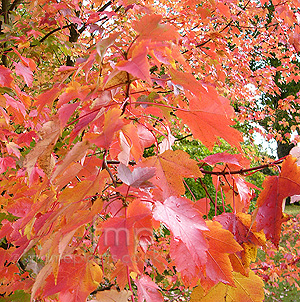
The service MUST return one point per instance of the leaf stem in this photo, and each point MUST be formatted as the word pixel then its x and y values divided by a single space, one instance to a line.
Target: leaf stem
pixel 129 284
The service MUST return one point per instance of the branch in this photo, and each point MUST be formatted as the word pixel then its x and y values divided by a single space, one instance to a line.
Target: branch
pixel 106 5
pixel 242 171
pixel 184 137
pixel 14 5
pixel 102 289
pixel 105 166
pixel 52 32
pixel 116 162
pixel 206 190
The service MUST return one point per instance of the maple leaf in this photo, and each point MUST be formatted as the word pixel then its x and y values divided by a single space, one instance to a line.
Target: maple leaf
pixel 77 278
pixel 137 178
pixel 103 44
pixel 132 141
pixel 233 159
pixel 242 227
pixel 269 216
pixel 202 205
pixel 117 78
pixel 49 134
pixel 167 142
pixel 77 152
pixel 13 148
pixel 16 105
pixel 120 234
pixel 208 121
pixel 47 97
pixel 7 162
pixel 233 183
pixel 65 112
pixel 26 61
pixel 112 123
pixel 137 65
pixel 5 77
pixel 171 168
pixel 25 72
pixel 218 266
pixel 239 202
pixel 184 262
pixel 148 290
pixel 248 289
pixel 185 223
pixel 148 27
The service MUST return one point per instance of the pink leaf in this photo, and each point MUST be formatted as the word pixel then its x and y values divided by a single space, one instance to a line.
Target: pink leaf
pixel 25 72
pixel 7 162
pixel 13 148
pixel 65 112
pixel 223 158
pixel 47 97
pixel 76 153
pixel 148 290
pixel 137 66
pixel 124 155
pixel 15 104
pixel 183 259
pixel 112 123
pixel 5 77
pixel 167 142
pixel 137 178
pixel 186 224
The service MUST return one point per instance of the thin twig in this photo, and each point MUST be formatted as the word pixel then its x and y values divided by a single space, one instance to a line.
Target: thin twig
pixel 241 171
pixel 14 5
pixel 206 190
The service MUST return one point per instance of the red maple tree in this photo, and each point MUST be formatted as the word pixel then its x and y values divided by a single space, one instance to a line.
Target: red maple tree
pixel 93 97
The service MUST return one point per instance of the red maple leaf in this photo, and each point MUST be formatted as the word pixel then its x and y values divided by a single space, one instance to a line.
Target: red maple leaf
pixel 186 225
pixel 269 215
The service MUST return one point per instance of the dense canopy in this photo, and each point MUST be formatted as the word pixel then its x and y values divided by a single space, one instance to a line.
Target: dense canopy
pixel 95 97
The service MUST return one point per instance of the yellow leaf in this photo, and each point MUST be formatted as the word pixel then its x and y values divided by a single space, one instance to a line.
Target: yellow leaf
pixel 249 253
pixel 93 274
pixel 248 289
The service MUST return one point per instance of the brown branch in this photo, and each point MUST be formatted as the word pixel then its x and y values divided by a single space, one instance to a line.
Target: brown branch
pixel 5 13
pixel 241 171
pixel 206 190
pixel 105 166
pixel 106 5
pixel 101 289
pixel 184 137
pixel 116 162
pixel 52 32
pixel 14 5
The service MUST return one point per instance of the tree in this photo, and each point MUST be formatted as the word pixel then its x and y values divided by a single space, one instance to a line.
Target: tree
pixel 94 198
pixel 275 108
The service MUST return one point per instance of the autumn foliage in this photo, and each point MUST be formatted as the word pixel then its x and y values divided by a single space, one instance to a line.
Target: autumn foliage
pixel 94 96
